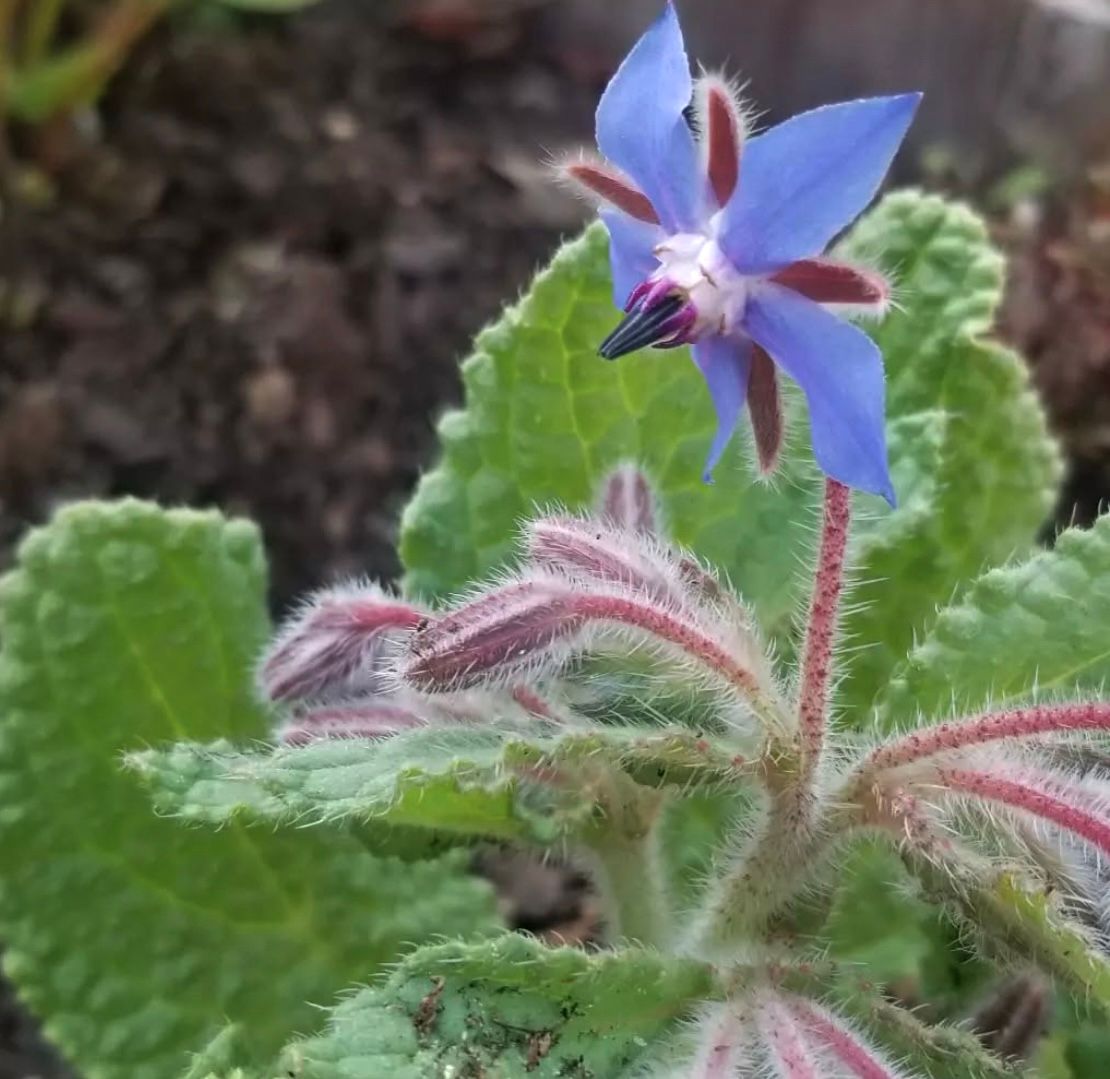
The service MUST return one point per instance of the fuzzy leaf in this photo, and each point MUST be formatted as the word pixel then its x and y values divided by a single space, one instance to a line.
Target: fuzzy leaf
pixel 1018 923
pixel 510 1008
pixel 545 419
pixel 988 473
pixel 1038 626
pixel 438 785
pixel 126 625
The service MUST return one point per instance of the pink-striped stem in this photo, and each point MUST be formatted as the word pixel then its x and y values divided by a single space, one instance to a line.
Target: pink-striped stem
pixel 1018 723
pixel 690 640
pixel 790 1056
pixel 1026 797
pixel 723 1044
pixel 529 621
pixel 824 610
pixel 857 1058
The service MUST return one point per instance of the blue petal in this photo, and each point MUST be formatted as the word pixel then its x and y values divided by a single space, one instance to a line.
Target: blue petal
pixel 724 362
pixel 806 179
pixel 840 369
pixel 631 247
pixel 640 126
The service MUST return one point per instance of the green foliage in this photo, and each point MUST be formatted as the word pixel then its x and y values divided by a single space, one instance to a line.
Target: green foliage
pixel 1039 625
pixel 989 471
pixel 510 1008
pixel 438 785
pixel 123 626
pixel 544 420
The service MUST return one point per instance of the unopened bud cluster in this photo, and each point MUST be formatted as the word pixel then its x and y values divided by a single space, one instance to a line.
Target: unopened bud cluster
pixel 1017 790
pixel 357 661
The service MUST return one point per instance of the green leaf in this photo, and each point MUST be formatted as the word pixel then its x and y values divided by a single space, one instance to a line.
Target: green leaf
pixel 221 1056
pixel 545 420
pixel 1038 626
pixel 126 625
pixel 1017 922
pixel 988 472
pixel 876 922
pixel 509 1008
pixel 439 785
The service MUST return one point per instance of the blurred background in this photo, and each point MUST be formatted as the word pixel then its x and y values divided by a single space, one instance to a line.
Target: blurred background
pixel 241 253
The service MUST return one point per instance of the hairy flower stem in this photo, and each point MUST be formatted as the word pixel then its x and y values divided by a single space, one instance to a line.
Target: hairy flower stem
pixel 756 887
pixel 759 883
pixel 1012 724
pixel 824 609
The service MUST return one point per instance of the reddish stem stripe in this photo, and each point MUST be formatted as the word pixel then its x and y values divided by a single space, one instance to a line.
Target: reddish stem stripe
pixel 824 609
pixel 993 727
pixel 683 636
pixel 607 184
pixel 765 409
pixel 789 1051
pixel 365 616
pixel 1023 796
pixel 722 1045
pixel 833 282
pixel 722 141
pixel 856 1057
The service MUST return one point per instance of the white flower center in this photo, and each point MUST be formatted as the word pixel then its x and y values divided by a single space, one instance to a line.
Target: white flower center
pixel 701 271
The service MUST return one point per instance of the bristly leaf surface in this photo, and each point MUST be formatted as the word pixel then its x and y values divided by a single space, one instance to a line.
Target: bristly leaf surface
pixel 125 625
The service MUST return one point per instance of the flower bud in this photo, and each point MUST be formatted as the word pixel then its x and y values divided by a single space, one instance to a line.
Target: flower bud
pixel 336 646
pixel 627 500
pixel 496 638
pixel 533 626
pixel 587 547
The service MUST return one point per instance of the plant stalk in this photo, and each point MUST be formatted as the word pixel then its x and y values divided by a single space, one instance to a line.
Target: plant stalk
pixel 824 611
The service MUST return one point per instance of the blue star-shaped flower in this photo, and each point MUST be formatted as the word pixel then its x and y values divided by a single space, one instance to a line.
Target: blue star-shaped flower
pixel 717 242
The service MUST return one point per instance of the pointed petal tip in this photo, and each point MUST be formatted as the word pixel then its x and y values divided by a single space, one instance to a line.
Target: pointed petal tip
pixel 641 126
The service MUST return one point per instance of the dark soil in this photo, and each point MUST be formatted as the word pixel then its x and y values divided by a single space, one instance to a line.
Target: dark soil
pixel 252 290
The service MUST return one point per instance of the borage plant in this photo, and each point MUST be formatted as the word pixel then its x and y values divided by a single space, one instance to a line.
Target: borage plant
pixel 803 817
